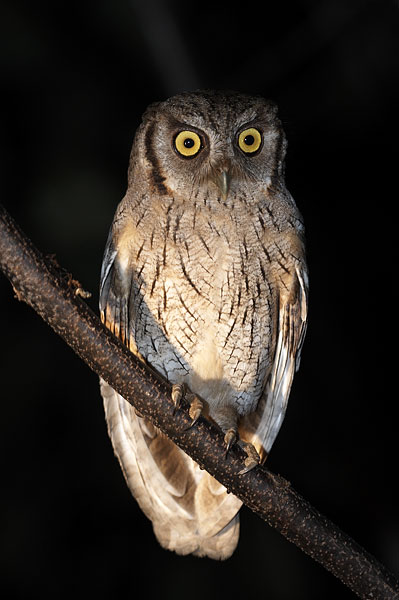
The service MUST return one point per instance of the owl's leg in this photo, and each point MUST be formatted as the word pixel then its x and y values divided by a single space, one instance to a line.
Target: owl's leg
pixel 226 417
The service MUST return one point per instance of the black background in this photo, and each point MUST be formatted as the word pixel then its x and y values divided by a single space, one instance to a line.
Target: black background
pixel 75 79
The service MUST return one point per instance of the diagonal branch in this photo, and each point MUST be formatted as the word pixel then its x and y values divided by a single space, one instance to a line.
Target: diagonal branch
pixel 39 282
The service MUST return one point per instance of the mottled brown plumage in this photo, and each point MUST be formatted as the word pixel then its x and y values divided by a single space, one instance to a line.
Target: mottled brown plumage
pixel 204 277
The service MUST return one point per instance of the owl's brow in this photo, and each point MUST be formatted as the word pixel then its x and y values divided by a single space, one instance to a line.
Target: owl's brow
pixel 177 124
pixel 249 121
pixel 247 117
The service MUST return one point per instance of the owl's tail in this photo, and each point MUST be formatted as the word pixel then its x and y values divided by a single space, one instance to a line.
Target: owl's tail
pixel 190 511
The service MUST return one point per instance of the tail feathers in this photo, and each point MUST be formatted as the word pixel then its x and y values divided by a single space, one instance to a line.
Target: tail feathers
pixel 190 511
pixel 219 546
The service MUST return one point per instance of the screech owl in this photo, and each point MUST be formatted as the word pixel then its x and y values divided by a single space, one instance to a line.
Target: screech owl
pixel 204 277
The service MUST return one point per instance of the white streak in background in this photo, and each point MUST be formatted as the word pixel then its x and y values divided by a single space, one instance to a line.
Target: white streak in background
pixel 165 44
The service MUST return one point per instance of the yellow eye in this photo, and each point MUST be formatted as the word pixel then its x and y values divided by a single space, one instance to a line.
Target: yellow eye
pixel 188 143
pixel 250 140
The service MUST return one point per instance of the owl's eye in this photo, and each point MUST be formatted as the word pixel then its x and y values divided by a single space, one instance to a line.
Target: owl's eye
pixel 188 143
pixel 250 140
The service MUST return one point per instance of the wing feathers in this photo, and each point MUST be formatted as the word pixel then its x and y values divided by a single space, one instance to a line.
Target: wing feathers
pixel 262 427
pixel 115 286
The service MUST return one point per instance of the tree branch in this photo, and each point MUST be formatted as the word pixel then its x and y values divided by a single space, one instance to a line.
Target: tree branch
pixel 38 281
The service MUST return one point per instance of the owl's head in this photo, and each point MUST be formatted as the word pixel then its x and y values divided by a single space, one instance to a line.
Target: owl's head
pixel 211 142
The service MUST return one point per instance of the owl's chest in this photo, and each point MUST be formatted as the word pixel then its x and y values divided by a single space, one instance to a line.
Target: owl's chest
pixel 208 267
pixel 204 309
pixel 207 280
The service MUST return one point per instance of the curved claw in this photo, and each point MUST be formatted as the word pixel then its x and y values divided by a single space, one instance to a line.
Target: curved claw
pixel 229 439
pixel 177 395
pixel 195 410
pixel 252 460
pixel 248 469
pixel 195 418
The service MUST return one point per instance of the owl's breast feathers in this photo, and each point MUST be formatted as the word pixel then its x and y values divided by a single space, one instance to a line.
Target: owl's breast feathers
pixel 202 291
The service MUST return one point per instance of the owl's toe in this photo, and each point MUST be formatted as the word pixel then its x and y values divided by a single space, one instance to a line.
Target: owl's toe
pixel 177 395
pixel 230 437
pixel 252 460
pixel 195 409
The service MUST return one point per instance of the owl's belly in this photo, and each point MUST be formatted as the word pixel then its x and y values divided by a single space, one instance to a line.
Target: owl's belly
pixel 221 343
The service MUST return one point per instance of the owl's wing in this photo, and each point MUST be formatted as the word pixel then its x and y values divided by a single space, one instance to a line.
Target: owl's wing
pixel 261 427
pixel 189 510
pixel 115 286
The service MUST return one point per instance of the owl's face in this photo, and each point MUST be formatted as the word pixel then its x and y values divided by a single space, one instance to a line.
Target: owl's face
pixel 213 142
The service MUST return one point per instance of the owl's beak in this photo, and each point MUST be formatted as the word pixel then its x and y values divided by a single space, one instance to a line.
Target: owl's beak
pixel 222 181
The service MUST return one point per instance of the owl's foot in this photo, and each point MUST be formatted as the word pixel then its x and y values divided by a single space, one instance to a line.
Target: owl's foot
pixel 196 406
pixel 252 460
pixel 178 392
pixel 195 409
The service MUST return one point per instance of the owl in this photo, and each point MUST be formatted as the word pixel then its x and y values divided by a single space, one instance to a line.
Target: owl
pixel 204 278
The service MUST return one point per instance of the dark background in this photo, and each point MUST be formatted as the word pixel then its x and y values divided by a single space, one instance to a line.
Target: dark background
pixel 75 79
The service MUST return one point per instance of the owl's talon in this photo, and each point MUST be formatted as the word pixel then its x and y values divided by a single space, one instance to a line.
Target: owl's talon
pixel 177 395
pixel 230 438
pixel 252 460
pixel 195 410
pixel 194 420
